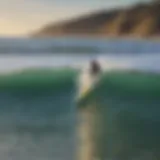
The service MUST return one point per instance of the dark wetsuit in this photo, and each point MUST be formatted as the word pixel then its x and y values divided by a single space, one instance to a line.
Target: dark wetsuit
pixel 94 67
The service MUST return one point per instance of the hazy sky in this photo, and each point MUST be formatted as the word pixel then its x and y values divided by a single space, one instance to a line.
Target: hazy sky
pixel 20 17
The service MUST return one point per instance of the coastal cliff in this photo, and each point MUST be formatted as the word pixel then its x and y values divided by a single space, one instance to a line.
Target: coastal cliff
pixel 141 20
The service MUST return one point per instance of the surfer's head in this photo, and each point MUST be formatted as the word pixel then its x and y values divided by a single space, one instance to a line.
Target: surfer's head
pixel 95 67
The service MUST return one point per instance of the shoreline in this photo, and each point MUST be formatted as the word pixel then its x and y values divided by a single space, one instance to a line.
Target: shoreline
pixel 94 37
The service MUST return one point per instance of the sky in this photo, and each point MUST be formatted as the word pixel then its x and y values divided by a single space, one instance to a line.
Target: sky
pixel 21 17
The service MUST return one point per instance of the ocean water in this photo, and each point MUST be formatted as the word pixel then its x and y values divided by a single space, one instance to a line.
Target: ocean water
pixel 41 119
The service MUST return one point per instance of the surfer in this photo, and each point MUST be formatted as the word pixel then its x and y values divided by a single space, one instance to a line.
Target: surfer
pixel 88 79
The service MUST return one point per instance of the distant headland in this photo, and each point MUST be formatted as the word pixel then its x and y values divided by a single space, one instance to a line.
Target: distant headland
pixel 140 21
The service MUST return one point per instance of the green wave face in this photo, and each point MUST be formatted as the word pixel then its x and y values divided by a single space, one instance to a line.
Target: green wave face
pixel 57 79
pixel 36 98
pixel 119 118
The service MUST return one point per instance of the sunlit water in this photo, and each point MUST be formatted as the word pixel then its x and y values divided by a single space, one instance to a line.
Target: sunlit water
pixel 38 111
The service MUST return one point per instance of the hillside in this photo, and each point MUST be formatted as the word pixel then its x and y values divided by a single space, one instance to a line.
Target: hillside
pixel 142 20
